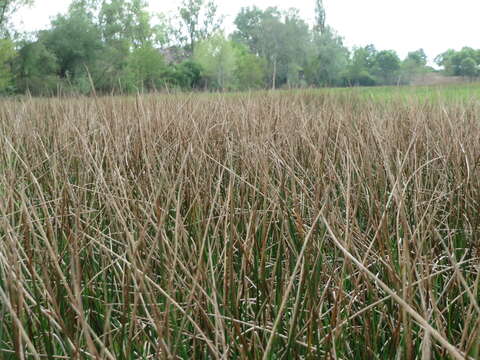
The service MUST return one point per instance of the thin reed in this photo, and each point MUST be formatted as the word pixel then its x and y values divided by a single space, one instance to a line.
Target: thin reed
pixel 271 225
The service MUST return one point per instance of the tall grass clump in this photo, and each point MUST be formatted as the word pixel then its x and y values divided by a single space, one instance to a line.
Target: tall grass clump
pixel 270 225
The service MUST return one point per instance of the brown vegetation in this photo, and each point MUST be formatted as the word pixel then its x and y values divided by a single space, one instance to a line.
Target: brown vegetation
pixel 274 225
pixel 431 78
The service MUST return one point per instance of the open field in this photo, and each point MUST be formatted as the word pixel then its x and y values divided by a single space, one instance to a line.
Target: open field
pixel 433 93
pixel 309 224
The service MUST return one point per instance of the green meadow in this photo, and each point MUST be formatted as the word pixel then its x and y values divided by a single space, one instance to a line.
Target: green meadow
pixel 456 92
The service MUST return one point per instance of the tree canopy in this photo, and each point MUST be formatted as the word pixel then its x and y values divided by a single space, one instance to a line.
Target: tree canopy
pixel 465 62
pixel 119 46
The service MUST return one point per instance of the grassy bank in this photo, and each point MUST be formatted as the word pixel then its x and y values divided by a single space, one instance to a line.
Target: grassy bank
pixel 466 92
pixel 276 226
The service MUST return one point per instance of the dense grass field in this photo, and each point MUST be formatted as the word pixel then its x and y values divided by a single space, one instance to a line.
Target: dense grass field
pixel 285 225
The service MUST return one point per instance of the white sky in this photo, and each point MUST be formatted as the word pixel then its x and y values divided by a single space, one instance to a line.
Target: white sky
pixel 435 25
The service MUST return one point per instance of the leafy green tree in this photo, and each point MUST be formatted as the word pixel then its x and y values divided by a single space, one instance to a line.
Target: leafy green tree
pixel 109 67
pixel 89 7
pixel 282 38
pixel 145 70
pixel 387 66
pixel 445 60
pixel 249 23
pixel 320 17
pixel 75 41
pixel 216 56
pixel 295 45
pixel 36 69
pixel 417 57
pixel 476 56
pixel 468 67
pixel 360 69
pixel 264 33
pixel 125 25
pixel 186 75
pixel 7 54
pixel 329 60
pixel 198 21
pixel 459 63
pixel 250 69
pixel 111 42
pixel 414 65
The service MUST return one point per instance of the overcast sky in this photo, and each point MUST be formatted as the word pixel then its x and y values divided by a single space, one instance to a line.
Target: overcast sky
pixel 435 25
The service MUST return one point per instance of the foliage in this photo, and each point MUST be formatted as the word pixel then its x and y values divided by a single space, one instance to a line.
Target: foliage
pixel 185 75
pixel 216 57
pixel 320 17
pixel 328 63
pixel 417 57
pixel 360 67
pixel 282 38
pixel 198 21
pixel 128 21
pixel 36 69
pixel 250 69
pixel 7 53
pixel 145 69
pixel 118 46
pixel 107 42
pixel 129 37
pixel 469 67
pixel 386 67
pixel 465 62
pixel 413 65
pixel 76 43
pixel 369 67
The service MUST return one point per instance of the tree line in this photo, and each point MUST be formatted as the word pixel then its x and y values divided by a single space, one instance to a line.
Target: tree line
pixel 117 46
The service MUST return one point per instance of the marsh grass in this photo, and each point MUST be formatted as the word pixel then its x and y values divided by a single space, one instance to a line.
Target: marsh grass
pixel 271 225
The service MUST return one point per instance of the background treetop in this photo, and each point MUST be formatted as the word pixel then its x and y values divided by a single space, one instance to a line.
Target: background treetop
pixel 124 48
